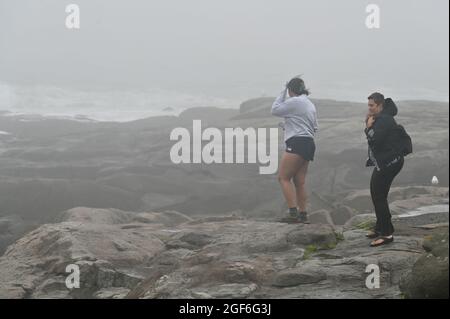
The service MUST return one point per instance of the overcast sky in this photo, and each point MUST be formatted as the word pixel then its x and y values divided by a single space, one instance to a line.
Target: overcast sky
pixel 228 47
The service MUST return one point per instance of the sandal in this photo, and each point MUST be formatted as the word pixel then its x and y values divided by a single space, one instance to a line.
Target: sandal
pixel 384 241
pixel 372 234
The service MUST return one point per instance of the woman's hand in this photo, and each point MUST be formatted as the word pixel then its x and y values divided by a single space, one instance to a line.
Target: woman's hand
pixel 370 120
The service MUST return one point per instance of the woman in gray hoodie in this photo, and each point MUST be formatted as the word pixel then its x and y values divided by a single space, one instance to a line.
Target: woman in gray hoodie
pixel 300 127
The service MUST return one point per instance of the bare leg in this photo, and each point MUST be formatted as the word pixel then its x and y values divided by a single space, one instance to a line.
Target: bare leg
pixel 300 181
pixel 290 164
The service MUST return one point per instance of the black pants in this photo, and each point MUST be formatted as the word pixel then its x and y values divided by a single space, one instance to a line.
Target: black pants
pixel 380 184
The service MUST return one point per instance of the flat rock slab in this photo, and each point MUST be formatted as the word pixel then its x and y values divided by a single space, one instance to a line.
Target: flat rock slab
pixel 165 255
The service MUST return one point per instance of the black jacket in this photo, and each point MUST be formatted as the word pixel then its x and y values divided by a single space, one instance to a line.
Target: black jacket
pixel 382 138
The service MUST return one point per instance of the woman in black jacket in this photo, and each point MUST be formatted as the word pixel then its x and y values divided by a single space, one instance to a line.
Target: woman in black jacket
pixel 385 154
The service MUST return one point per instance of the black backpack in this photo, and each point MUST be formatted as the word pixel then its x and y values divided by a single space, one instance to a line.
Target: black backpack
pixel 404 141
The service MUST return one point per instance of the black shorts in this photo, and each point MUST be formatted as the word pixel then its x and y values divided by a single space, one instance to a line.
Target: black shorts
pixel 301 145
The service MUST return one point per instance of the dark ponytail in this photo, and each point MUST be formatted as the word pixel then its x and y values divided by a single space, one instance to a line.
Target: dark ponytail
pixel 297 86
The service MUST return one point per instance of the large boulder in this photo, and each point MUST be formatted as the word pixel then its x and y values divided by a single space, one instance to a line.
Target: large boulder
pixel 429 275
pixel 318 235
pixel 110 248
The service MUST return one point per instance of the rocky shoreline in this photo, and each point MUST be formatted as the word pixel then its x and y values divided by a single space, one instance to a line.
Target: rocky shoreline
pixel 105 196
pixel 169 255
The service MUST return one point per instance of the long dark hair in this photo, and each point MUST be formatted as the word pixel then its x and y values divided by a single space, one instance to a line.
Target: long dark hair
pixel 297 86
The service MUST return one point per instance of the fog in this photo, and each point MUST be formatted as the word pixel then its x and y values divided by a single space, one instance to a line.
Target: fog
pixel 229 48
pixel 94 123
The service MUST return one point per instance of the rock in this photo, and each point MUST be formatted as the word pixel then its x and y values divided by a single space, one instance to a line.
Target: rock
pixel 399 207
pixel 401 198
pixel 156 201
pixel 229 291
pixel 168 109
pixel 43 199
pixel 179 244
pixel 13 292
pixel 201 295
pixel 433 214
pixel 363 221
pixel 50 165
pixel 341 214
pixel 361 201
pixel 12 227
pixel 322 236
pixel 437 244
pixel 167 218
pixel 52 288
pixel 299 276
pixel 207 219
pixel 429 275
pixel 209 115
pixel 40 258
pixel 240 272
pixel 433 226
pixel 321 217
pixel 173 256
pixel 354 234
pixel 121 254
pixel 288 259
pixel 95 216
pixel 258 107
pixel 171 285
pixel 196 239
pixel 112 293
pixel 415 191
pixel 271 243
pixel 116 216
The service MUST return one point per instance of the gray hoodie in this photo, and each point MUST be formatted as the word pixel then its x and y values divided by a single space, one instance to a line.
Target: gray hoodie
pixel 300 116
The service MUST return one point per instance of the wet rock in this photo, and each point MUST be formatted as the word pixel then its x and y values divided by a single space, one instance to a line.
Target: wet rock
pixel 121 256
pixel 228 291
pixel 321 217
pixel 319 235
pixel 341 214
pixel 429 275
pixel 299 276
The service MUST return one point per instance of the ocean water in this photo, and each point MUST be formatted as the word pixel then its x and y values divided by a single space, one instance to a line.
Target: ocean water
pixel 132 104
pixel 102 105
